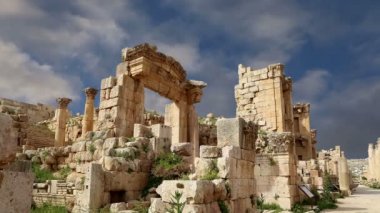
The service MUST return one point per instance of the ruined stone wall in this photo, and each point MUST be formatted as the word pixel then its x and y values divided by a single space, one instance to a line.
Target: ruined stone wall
pixel 25 116
pixel 264 96
pixel 276 169
pixel 232 165
pixel 303 136
pixel 35 113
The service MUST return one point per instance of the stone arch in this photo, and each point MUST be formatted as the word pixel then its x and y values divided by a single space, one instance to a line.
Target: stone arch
pixel 122 97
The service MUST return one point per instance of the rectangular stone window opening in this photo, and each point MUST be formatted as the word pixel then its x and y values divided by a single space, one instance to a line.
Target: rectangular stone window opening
pixel 117 196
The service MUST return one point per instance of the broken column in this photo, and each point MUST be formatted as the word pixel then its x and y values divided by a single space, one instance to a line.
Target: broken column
pixel 88 117
pixel 344 175
pixel 61 116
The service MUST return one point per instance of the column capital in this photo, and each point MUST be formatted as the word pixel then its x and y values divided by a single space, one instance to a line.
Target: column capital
pixel 63 102
pixel 90 92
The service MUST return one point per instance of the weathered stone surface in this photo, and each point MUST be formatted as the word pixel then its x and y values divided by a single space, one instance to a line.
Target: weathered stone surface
pixel 117 181
pixel 16 191
pixel 157 206
pixel 184 149
pixel 117 207
pixel 202 166
pixel 110 143
pixel 210 151
pixel 79 146
pixel 194 192
pixel 230 132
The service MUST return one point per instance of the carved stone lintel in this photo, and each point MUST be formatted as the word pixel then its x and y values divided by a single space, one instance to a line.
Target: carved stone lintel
pixel 63 102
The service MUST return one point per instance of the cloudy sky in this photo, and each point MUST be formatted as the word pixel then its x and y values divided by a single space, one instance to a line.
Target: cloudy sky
pixel 331 50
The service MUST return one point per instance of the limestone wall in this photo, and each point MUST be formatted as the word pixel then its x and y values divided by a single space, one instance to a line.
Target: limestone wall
pixel 264 96
pixel 303 136
pixel 231 184
pixel 35 113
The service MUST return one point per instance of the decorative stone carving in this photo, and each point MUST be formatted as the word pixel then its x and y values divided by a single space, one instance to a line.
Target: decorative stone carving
pixel 274 142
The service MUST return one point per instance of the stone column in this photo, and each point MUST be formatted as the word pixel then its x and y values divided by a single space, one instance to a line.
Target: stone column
pixel 88 117
pixel 344 175
pixel 61 116
pixel 370 161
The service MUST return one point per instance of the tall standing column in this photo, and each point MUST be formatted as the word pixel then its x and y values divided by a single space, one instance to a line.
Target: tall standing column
pixel 88 117
pixel 61 117
pixel 344 175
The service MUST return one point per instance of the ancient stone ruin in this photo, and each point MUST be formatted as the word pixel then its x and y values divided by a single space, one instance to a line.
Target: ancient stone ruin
pixel 122 158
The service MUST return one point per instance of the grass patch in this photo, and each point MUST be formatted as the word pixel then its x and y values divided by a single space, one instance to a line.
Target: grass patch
pixel 64 172
pixel 49 208
pixel 169 166
pixel 42 175
pixel 223 207
pixel 92 148
pixel 212 172
pixel 272 206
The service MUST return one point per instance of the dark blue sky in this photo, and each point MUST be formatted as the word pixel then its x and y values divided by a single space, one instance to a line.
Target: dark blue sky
pixel 331 50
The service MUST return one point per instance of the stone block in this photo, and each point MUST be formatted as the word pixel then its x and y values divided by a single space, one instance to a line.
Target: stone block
pixel 108 82
pixel 202 166
pixel 79 146
pixel 110 143
pixel 230 132
pixel 220 192
pixel 193 191
pixel 231 152
pixel 140 130
pixel 116 91
pixel 245 169
pixel 157 205
pixel 242 205
pixel 248 155
pixel 124 181
pixel 227 167
pixel 241 188
pixel 105 104
pixel 184 149
pixel 161 131
pixel 159 145
pixel 210 151
pixel 117 207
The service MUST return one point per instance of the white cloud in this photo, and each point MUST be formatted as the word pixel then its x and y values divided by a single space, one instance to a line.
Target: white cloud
pixel 185 53
pixel 18 8
pixel 313 84
pixel 24 79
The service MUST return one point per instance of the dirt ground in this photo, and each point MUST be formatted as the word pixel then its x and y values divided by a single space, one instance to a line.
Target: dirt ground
pixel 363 200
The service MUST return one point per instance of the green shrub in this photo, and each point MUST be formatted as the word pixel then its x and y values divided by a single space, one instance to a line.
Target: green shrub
pixel 326 204
pixel 223 207
pixel 129 156
pixel 374 184
pixel 92 148
pixel 42 175
pixel 49 208
pixel 298 208
pixel 212 172
pixel 141 208
pixel 169 166
pixel 153 181
pixel 176 206
pixel 272 206
pixel 64 172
